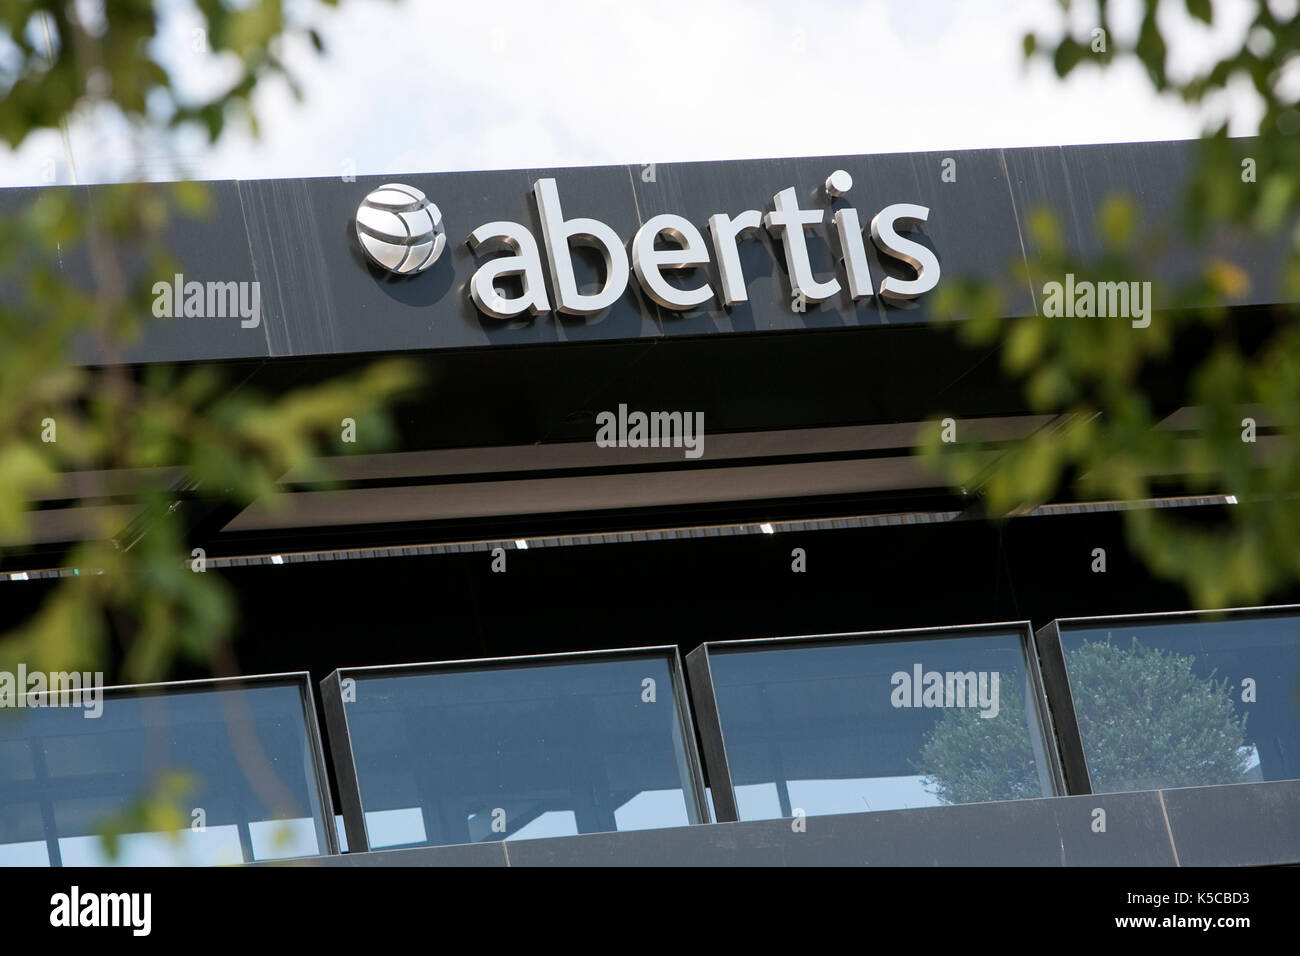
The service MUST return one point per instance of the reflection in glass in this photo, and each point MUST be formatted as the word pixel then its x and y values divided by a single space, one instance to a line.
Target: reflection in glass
pixel 847 725
pixel 1186 703
pixel 188 776
pixel 464 754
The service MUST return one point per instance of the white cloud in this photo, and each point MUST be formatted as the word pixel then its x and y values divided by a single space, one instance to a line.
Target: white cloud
pixel 417 86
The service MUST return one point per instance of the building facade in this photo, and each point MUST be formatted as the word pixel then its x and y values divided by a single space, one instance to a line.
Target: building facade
pixel 653 573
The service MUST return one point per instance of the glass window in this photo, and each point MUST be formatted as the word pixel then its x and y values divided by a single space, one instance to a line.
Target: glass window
pixel 1169 702
pixel 517 750
pixel 860 723
pixel 203 774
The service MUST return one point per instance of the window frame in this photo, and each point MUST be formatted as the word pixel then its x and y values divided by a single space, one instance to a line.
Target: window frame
pixel 340 735
pixel 1057 679
pixel 713 742
pixel 319 777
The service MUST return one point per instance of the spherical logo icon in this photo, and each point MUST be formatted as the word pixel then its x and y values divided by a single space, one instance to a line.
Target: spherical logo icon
pixel 399 229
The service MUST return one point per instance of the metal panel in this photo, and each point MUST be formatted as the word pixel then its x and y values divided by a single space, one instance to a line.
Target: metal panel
pixel 1237 824
pixel 345 768
pixel 320 294
pixel 1047 832
pixel 705 704
pixel 1061 705
pixel 460 854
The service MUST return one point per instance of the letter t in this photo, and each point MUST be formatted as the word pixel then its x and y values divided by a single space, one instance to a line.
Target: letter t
pixel 790 221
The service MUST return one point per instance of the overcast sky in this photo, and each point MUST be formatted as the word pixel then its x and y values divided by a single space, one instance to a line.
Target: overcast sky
pixel 428 85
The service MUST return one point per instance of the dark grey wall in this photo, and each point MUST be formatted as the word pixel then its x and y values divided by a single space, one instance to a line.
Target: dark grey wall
pixel 320 296
pixel 1240 825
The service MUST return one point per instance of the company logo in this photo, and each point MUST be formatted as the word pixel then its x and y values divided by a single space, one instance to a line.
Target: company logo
pixel 403 232
pixel 399 229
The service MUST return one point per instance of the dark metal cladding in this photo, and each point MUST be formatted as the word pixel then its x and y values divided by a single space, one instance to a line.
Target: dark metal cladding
pixel 320 295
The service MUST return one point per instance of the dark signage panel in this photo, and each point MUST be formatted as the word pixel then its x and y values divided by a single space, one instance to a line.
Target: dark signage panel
pixel 388 263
